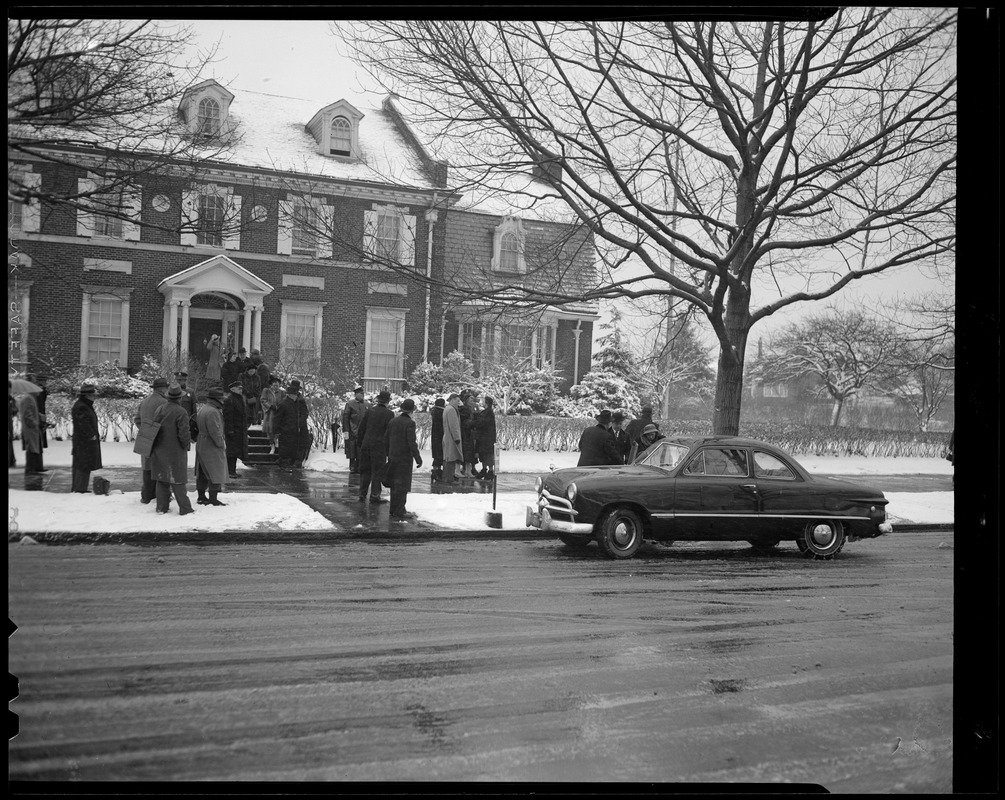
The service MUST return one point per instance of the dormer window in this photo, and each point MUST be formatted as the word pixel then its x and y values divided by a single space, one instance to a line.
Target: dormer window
pixel 209 117
pixel 205 108
pixel 508 246
pixel 341 137
pixel 335 128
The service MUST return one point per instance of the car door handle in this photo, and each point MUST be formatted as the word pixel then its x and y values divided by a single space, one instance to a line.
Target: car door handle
pixel 751 486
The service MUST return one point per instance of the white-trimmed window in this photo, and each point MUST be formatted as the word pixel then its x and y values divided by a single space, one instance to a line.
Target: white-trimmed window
pixel 300 330
pixel 111 214
pixel 211 217
pixel 305 227
pixel 341 137
pixel 24 217
pixel 389 235
pixel 208 123
pixel 385 344
pixel 104 325
pixel 508 245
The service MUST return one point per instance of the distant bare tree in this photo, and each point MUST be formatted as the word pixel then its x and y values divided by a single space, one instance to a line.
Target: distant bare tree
pixel 732 163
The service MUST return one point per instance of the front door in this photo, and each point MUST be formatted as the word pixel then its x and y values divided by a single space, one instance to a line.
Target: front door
pixel 199 331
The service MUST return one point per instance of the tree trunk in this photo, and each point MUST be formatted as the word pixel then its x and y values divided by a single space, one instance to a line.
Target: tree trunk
pixel 838 405
pixel 729 377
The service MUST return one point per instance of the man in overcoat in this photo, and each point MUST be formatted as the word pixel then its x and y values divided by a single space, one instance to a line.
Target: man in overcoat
pixel 231 370
pixel 40 400
pixel 31 434
pixel 636 426
pixel 145 414
pixel 169 455
pixel 252 392
pixel 188 403
pixel 436 438
pixel 290 423
pixel 402 448
pixel 484 428
pixel 352 416
pixel 596 445
pixel 466 411
pixel 86 448
pixel 235 427
pixel 211 450
pixel 372 449
pixel 452 452
pixel 621 438
pixel 272 393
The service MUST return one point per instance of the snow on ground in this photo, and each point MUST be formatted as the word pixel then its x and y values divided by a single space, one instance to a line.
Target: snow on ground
pixel 123 513
pixel 68 512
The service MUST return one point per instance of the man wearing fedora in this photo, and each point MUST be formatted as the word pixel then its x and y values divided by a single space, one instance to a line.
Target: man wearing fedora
pixel 621 439
pixel 169 454
pixel 235 427
pixel 289 423
pixel 402 448
pixel 145 416
pixel 211 450
pixel 596 445
pixel 372 449
pixel 86 453
pixel 352 416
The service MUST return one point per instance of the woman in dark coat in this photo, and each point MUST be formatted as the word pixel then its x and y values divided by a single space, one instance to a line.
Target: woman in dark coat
pixel 485 438
pixel 235 427
pixel 86 449
pixel 437 438
pixel 289 423
pixel 169 454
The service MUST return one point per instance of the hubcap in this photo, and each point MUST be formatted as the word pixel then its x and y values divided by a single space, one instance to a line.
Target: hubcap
pixel 823 535
pixel 624 533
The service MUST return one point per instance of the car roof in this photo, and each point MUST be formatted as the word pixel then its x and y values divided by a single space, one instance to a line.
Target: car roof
pixel 737 441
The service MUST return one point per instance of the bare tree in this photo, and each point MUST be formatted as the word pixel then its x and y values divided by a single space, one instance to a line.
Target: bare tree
pixel 724 164
pixel 102 94
pixel 844 352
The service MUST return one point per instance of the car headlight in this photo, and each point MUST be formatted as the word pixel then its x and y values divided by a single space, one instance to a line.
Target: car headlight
pixel 538 484
pixel 571 492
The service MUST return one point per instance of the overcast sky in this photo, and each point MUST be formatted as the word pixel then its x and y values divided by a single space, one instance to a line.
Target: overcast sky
pixel 301 59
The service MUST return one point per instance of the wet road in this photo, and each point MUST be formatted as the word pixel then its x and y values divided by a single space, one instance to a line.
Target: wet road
pixel 485 660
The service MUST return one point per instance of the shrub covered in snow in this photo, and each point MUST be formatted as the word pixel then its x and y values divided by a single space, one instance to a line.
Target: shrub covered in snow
pixel 108 379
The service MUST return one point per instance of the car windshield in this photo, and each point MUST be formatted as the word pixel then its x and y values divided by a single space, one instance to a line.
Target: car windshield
pixel 665 454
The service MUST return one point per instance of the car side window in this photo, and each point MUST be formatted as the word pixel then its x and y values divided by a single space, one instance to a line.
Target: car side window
pixel 768 466
pixel 696 466
pixel 724 462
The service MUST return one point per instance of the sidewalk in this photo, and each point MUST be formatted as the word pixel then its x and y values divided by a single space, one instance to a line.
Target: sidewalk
pixel 332 496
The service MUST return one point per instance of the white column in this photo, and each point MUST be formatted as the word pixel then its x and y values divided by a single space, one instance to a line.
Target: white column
pixel 256 328
pixel 166 338
pixel 185 305
pixel 173 325
pixel 223 332
pixel 246 337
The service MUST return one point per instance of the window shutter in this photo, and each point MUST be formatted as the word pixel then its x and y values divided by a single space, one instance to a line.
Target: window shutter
pixel 284 243
pixel 30 212
pixel 85 219
pixel 406 240
pixel 326 221
pixel 189 215
pixel 232 224
pixel 369 234
pixel 132 205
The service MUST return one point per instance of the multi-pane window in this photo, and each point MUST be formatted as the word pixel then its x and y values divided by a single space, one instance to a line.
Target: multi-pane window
pixel 104 330
pixel 209 230
pixel 107 223
pixel 509 253
pixel 301 344
pixel 305 228
pixel 209 117
pixel 516 341
pixel 469 347
pixel 385 348
pixel 387 234
pixel 341 137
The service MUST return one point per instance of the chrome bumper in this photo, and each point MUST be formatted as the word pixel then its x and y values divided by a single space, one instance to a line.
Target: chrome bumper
pixel 542 519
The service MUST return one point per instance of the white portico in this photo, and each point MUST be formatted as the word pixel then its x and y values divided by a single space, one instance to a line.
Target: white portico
pixel 219 290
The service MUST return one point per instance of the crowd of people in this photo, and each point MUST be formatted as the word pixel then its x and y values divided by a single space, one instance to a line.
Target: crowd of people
pixel 610 441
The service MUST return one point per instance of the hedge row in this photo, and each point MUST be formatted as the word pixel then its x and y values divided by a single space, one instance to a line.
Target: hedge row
pixel 549 434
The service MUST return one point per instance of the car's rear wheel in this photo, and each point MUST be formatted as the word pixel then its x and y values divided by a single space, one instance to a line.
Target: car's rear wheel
pixel 575 542
pixel 821 539
pixel 619 533
pixel 764 546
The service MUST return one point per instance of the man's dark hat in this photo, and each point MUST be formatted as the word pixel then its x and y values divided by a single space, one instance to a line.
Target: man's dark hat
pixel 87 388
pixel 439 402
pixel 174 392
pixel 604 416
pixel 294 386
pixel 358 389
pixel 236 385
pixel 215 394
pixel 384 396
pixel 617 416
pixel 408 404
pixel 160 383
pixel 242 350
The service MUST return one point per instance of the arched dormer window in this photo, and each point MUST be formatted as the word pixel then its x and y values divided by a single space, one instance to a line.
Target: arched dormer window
pixel 209 117
pixel 341 137
pixel 508 246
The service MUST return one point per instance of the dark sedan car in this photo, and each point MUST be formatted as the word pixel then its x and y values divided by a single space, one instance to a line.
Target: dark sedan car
pixel 719 488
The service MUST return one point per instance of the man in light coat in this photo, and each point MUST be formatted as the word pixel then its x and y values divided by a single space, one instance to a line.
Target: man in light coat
pixel 145 414
pixel 452 449
pixel 169 455
pixel 211 450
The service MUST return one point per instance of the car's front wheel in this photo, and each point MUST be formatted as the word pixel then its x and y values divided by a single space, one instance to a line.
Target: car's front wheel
pixel 619 533
pixel 821 539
